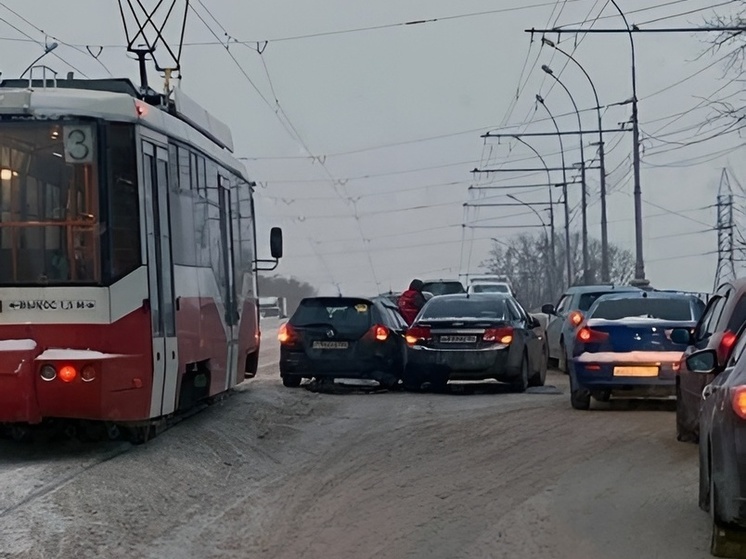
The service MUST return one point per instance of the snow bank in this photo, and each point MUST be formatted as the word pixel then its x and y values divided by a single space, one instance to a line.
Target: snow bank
pixel 72 355
pixel 17 345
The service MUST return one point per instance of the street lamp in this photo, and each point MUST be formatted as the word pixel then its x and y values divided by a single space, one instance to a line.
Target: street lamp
pixel 605 272
pixel 584 196
pixel 551 199
pixel 568 262
pixel 639 260
pixel 47 49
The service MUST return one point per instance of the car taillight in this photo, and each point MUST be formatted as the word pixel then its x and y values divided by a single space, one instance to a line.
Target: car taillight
pixel 738 399
pixel 380 332
pixel 417 333
pixel 287 334
pixel 575 318
pixel 588 336
pixel 726 344
pixel 499 335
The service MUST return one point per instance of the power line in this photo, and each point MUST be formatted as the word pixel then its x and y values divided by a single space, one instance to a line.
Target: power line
pixel 75 47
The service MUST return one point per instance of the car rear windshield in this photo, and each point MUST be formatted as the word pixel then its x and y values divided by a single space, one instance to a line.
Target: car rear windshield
pixel 490 288
pixel 464 309
pixel 443 287
pixel 587 299
pixel 346 316
pixel 663 309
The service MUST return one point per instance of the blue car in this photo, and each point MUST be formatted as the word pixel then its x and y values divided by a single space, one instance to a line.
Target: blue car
pixel 624 346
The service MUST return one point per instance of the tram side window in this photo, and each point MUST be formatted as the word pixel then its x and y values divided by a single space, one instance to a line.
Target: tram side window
pixel 124 219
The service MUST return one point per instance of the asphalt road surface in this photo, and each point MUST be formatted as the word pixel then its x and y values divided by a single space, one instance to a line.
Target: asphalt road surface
pixel 289 473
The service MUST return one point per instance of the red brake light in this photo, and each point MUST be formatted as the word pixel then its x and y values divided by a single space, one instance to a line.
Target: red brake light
pixel 380 332
pixel 727 342
pixel 575 318
pixel 286 335
pixel 499 335
pixel 68 373
pixel 588 336
pixel 417 333
pixel 738 395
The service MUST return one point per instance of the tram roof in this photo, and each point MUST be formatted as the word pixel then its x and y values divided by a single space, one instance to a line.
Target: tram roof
pixel 120 100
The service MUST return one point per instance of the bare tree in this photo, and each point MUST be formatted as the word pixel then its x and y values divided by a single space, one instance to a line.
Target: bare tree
pixel 525 259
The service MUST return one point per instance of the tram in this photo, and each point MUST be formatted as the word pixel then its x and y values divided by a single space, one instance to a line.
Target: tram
pixel 127 256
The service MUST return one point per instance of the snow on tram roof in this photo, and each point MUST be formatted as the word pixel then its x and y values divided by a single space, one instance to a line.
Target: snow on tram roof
pixel 118 100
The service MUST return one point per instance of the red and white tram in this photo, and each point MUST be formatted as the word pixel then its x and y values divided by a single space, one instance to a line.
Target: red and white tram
pixel 127 255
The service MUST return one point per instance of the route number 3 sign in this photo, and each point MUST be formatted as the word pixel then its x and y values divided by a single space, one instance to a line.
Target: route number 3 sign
pixel 78 144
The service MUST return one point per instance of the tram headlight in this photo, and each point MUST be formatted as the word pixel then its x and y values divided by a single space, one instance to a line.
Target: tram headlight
pixel 48 373
pixel 88 374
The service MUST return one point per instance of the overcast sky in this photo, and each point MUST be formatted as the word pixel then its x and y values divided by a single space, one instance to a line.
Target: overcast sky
pixel 365 162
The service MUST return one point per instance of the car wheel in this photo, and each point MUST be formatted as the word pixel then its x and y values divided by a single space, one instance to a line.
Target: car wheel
pixel 580 398
pixel 521 384
pixel 562 361
pixel 683 434
pixel 292 382
pixel 721 544
pixel 540 377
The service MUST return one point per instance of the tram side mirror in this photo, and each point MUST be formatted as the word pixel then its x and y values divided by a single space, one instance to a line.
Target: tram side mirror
pixel 275 242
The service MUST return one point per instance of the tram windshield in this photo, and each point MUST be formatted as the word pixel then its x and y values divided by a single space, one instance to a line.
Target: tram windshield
pixel 49 206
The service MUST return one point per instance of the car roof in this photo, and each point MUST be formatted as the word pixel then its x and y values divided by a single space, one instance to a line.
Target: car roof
pixel 656 295
pixel 472 296
pixel 602 287
pixel 442 280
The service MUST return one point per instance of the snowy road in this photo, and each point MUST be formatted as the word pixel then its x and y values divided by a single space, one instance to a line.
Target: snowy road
pixel 282 473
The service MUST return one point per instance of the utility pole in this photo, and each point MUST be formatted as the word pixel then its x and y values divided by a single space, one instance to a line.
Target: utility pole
pixel 726 270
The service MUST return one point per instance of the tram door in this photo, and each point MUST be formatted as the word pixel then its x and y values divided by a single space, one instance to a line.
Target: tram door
pixel 160 278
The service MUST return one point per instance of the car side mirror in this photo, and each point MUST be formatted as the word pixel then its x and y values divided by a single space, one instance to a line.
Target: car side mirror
pixel 681 336
pixel 534 322
pixel 275 242
pixel 703 362
pixel 548 309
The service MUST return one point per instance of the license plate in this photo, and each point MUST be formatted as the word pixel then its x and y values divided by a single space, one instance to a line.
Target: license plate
pixel 635 371
pixel 458 339
pixel 330 345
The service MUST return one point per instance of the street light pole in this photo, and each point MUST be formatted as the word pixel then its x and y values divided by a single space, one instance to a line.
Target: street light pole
pixel 639 260
pixel 47 50
pixel 568 262
pixel 546 235
pixel 551 203
pixel 605 271
pixel 584 195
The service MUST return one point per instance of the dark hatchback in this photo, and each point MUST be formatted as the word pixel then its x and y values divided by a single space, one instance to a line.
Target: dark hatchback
pixel 443 287
pixel 343 337
pixel 722 445
pixel 475 337
pixel 723 318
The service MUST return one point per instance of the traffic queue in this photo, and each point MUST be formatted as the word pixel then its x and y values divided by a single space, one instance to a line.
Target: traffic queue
pixel 612 341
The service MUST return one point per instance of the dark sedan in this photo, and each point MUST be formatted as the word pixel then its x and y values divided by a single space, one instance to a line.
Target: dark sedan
pixel 722 446
pixel 343 337
pixel 475 337
pixel 723 318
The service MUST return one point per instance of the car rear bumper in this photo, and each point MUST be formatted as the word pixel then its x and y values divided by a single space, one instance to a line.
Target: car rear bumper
pixel 298 364
pixel 601 376
pixel 495 363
